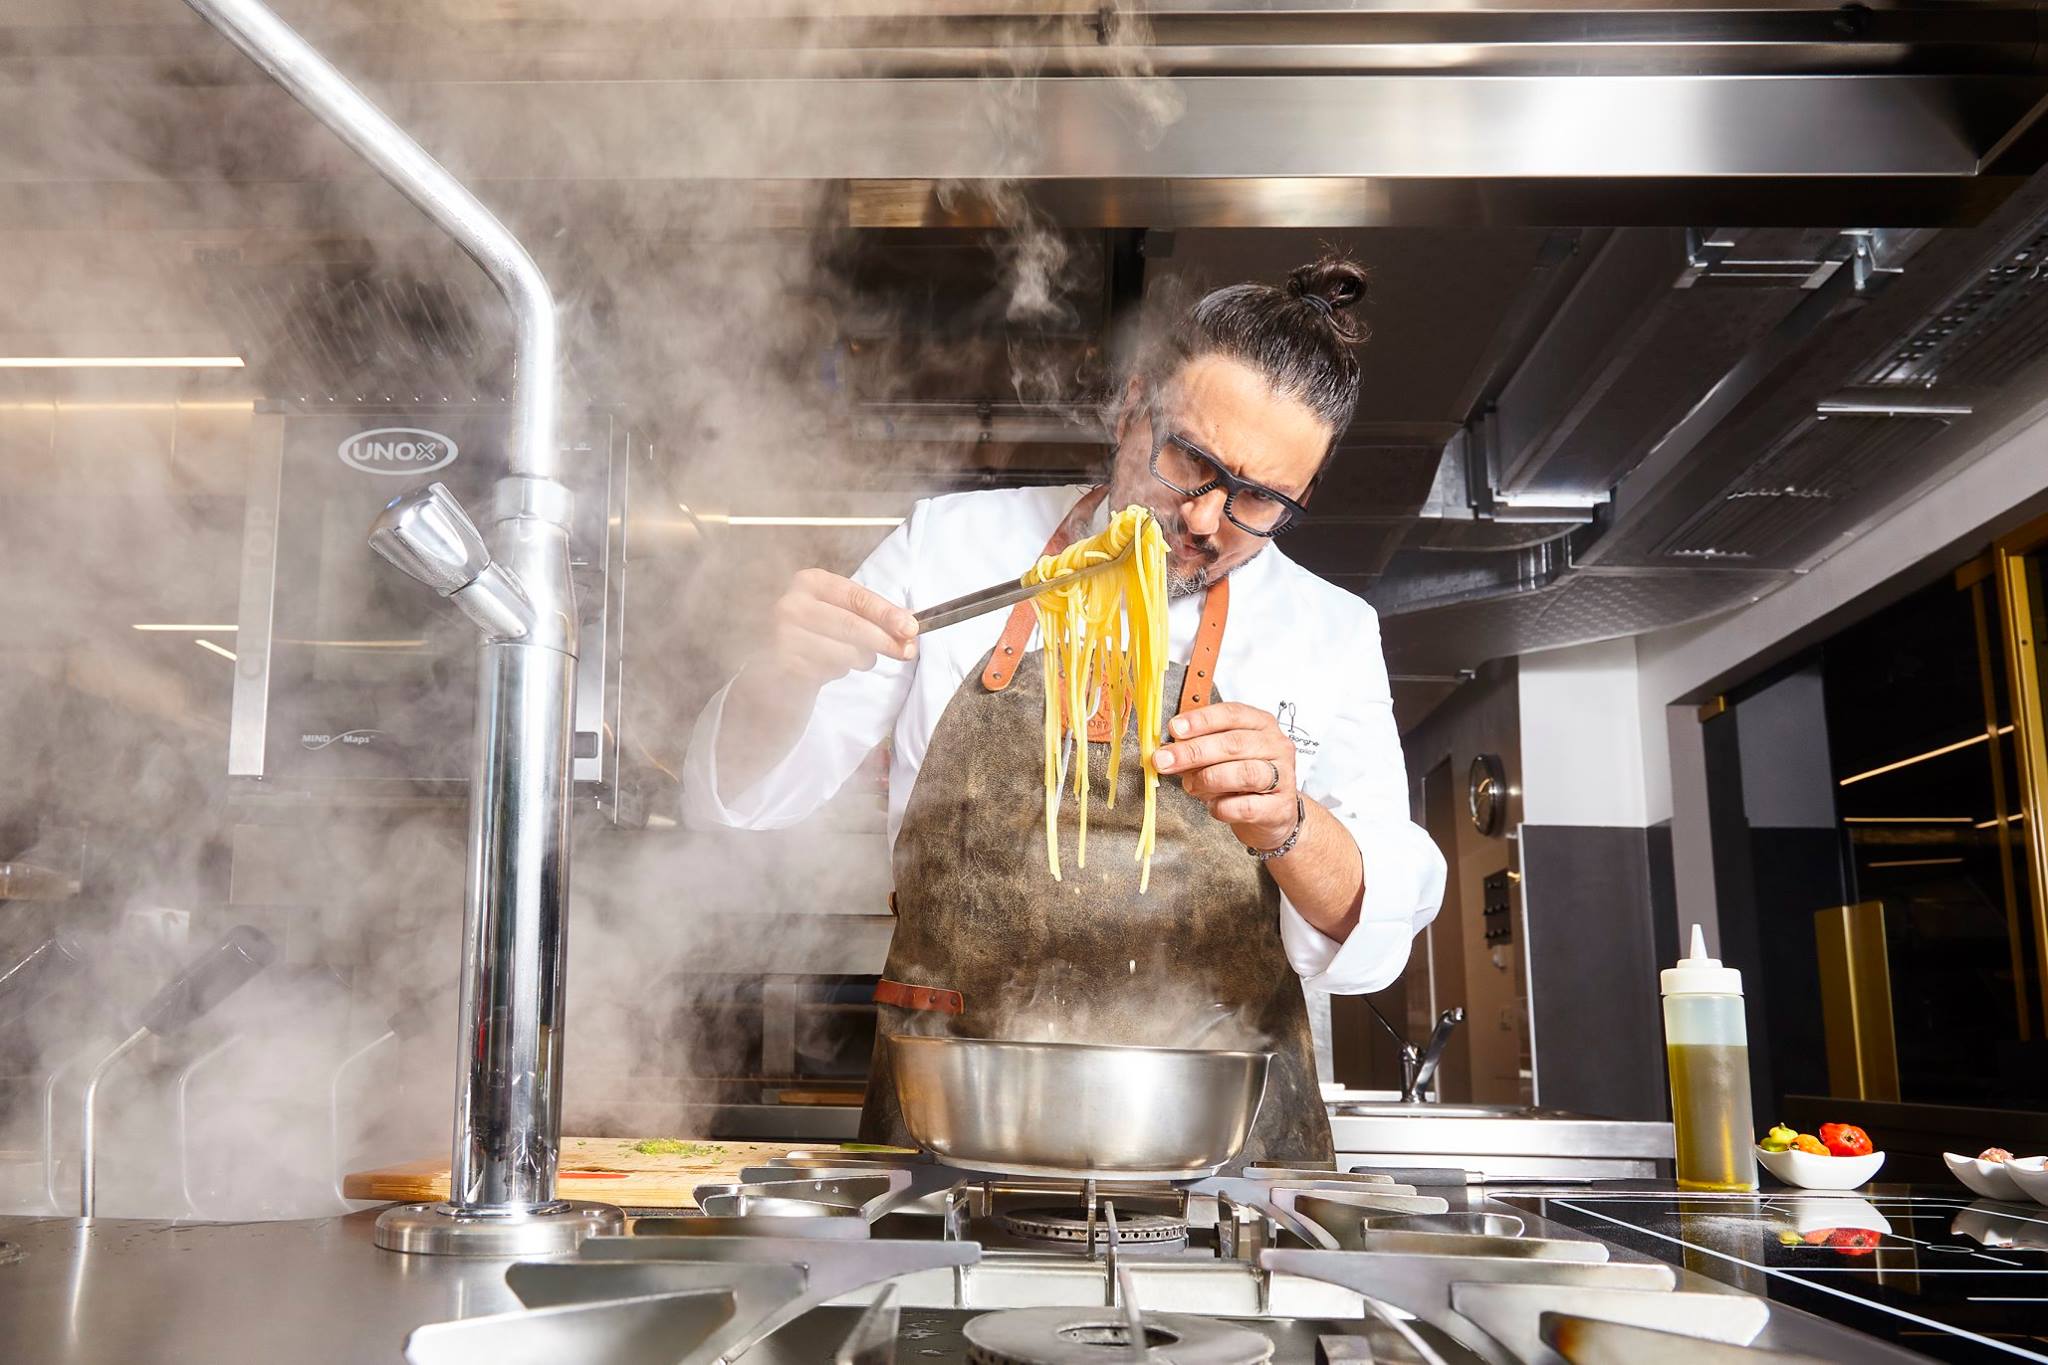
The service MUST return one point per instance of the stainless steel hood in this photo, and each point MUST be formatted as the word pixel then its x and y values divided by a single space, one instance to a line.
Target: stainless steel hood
pixel 1637 386
pixel 1217 112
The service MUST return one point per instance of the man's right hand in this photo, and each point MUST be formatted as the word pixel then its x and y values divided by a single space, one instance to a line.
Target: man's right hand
pixel 827 626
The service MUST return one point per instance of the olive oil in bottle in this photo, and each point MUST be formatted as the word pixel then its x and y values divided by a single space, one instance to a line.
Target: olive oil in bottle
pixel 1707 1046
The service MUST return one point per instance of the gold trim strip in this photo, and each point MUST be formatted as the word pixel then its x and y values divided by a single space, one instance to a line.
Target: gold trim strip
pixel 2016 622
pixel 1856 1002
pixel 2001 813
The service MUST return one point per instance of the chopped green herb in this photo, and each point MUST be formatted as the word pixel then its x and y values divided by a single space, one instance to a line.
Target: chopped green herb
pixel 674 1147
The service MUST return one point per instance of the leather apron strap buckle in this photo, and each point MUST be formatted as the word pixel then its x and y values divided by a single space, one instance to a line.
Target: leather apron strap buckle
pixel 929 998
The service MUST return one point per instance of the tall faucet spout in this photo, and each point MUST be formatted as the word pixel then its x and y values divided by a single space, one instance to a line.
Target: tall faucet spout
pixel 509 1089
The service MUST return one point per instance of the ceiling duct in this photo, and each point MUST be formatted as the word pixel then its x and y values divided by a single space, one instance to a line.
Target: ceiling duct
pixel 1585 606
pixel 1780 503
pixel 1993 328
pixel 1795 442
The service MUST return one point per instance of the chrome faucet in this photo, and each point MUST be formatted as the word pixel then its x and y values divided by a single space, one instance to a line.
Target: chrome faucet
pixel 427 534
pixel 515 586
pixel 1419 1064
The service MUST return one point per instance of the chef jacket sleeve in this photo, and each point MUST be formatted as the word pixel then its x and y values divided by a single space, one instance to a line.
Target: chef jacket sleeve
pixel 1358 774
pixel 851 716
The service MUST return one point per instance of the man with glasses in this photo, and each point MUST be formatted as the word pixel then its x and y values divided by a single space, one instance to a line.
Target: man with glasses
pixel 1283 854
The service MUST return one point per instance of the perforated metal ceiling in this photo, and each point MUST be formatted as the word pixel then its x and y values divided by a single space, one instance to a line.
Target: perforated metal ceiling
pixel 1591 606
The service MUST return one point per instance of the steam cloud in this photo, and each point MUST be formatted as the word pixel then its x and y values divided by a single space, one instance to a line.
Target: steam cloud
pixel 717 316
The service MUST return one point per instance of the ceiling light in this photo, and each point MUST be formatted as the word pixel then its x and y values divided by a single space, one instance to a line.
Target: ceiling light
pixel 120 362
pixel 353 644
pixel 1580 501
pixel 734 519
pixel 181 405
pixel 1917 862
pixel 1906 820
pixel 814 521
pixel 1882 405
pixel 179 626
pixel 1992 823
pixel 1922 758
pixel 209 645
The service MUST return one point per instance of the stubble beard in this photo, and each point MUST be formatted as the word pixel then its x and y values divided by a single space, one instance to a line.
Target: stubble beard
pixel 1187 583
pixel 1180 582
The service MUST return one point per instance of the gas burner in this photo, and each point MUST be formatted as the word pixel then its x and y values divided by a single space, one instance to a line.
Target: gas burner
pixel 1096 1336
pixel 1067 1226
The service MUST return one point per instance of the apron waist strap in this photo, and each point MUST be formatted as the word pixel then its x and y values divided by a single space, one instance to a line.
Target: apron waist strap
pixel 907 997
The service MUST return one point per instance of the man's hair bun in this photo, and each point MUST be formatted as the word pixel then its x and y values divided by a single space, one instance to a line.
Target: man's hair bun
pixel 1330 286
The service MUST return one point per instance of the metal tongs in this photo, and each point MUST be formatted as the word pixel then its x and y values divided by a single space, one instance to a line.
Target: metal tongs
pixel 999 595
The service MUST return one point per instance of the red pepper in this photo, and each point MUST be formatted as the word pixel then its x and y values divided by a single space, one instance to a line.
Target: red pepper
pixel 1845 1139
pixel 1848 1241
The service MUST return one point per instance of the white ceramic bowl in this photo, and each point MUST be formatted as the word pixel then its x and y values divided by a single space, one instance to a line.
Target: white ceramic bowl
pixel 1826 1212
pixel 1988 1178
pixel 2030 1173
pixel 1995 1225
pixel 1810 1172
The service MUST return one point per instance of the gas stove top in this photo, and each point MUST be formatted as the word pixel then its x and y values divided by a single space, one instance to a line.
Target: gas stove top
pixel 1938 1273
pixel 864 1259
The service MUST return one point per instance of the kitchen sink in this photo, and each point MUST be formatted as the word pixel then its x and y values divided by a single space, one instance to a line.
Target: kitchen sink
pixel 1396 1109
pixel 1496 1141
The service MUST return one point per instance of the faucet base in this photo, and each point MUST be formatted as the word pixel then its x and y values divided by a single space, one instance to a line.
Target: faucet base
pixel 443 1230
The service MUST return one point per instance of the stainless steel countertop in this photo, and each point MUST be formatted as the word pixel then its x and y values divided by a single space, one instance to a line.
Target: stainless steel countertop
pixel 124 1291
pixel 316 1291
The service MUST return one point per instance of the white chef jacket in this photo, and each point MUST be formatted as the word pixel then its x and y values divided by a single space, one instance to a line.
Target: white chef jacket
pixel 1296 646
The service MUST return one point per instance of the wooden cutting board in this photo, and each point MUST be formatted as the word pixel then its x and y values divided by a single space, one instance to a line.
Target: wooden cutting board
pixel 605 1169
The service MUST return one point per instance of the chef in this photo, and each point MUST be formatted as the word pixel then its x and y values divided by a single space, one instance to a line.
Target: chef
pixel 1284 851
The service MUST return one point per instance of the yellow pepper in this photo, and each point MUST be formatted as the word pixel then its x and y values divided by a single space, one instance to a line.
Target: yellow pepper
pixel 1779 1139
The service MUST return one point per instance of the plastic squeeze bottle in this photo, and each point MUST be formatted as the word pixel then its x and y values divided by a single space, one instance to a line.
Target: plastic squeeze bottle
pixel 1707 1046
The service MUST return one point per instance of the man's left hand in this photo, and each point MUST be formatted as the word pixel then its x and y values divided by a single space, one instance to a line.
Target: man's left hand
pixel 1236 761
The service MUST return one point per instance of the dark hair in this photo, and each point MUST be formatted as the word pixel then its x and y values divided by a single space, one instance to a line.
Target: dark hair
pixel 1301 338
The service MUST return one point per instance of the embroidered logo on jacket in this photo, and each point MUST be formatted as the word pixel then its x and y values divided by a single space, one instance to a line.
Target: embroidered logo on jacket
pixel 1304 743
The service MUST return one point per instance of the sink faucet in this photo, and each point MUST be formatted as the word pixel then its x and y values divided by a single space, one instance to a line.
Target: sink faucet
pixel 1419 1064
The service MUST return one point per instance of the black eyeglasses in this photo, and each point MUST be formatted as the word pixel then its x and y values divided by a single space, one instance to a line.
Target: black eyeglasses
pixel 1192 472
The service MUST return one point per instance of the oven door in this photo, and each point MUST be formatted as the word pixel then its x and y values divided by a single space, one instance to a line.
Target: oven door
pixel 346 671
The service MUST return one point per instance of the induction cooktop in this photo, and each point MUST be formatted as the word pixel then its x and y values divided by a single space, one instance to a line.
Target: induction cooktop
pixel 1937 1273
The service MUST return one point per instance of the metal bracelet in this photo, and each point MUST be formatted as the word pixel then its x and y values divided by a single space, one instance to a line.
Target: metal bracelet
pixel 1266 855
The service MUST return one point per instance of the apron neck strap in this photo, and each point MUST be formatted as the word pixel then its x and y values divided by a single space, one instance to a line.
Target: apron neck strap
pixel 1200 680
pixel 1196 685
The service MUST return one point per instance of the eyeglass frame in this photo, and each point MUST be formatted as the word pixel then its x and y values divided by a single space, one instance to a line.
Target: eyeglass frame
pixel 1232 484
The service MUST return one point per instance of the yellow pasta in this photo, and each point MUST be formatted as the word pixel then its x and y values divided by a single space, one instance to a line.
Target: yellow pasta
pixel 1105 643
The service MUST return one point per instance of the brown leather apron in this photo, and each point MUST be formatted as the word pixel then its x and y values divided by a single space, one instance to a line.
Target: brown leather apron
pixel 988 945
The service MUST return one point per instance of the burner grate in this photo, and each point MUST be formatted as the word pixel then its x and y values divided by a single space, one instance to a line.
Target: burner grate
pixel 1090 1336
pixel 1068 1227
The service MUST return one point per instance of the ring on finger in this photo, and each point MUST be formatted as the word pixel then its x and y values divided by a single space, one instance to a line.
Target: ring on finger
pixel 1274 785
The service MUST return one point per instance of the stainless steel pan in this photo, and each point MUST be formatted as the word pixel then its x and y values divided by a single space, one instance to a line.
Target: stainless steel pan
pixel 1078 1109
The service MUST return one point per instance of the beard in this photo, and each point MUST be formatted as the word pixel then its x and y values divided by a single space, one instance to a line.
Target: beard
pixel 1195 566
pixel 1187 582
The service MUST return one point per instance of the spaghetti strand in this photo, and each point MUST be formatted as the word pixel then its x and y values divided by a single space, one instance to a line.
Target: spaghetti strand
pixel 1104 647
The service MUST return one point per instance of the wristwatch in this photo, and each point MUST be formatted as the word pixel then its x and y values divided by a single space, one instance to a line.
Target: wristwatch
pixel 1266 855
